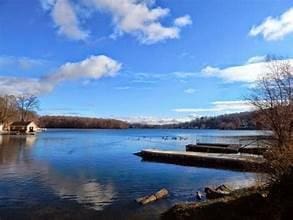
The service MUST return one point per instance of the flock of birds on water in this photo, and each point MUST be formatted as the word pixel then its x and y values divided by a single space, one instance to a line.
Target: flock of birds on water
pixel 165 138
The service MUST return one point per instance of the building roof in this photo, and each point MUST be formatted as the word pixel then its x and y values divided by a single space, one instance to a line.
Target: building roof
pixel 21 123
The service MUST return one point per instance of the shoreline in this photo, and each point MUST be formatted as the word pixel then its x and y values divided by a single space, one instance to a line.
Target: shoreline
pixel 243 203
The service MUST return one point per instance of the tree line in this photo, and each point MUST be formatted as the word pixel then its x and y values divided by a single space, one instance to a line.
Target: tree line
pixel 80 122
pixel 243 120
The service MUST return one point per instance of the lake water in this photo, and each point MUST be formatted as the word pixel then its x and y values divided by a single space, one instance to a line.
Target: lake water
pixel 86 174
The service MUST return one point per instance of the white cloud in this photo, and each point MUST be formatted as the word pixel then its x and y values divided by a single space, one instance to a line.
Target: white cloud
pixel 190 91
pixel 150 120
pixel 275 28
pixel 219 107
pixel 17 85
pixel 257 59
pixel 249 72
pixel 93 67
pixel 65 19
pixel 183 21
pixel 139 18
pixel 23 63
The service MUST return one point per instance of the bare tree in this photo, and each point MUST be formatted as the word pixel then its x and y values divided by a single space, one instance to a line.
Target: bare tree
pixel 273 99
pixel 8 108
pixel 27 103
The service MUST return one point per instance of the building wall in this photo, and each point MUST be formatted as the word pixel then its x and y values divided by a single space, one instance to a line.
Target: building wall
pixel 35 127
pixel 18 128
pixel 23 128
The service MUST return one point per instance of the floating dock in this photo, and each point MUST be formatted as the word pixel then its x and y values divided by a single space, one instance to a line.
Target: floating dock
pixel 240 162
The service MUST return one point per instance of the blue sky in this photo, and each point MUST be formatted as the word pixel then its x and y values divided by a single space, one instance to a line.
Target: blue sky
pixel 140 59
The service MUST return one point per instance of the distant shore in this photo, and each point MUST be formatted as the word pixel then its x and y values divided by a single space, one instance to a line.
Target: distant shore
pixel 235 121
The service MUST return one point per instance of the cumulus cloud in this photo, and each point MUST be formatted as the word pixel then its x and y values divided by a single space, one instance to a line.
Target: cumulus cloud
pixel 93 67
pixel 65 19
pixel 248 72
pixel 139 18
pixel 275 28
pixel 220 107
pixel 183 21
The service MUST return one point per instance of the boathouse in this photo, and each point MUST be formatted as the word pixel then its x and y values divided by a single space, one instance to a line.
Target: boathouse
pixel 23 127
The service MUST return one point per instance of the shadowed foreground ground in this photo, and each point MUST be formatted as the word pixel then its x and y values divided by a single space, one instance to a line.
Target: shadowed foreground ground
pixel 277 203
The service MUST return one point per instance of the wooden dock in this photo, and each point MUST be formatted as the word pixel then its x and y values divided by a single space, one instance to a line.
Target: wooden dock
pixel 240 162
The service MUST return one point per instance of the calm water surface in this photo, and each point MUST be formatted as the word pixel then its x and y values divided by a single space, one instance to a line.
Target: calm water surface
pixel 87 174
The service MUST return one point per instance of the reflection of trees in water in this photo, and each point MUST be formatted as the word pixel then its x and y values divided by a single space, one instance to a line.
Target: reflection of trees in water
pixel 15 148
pixel 16 161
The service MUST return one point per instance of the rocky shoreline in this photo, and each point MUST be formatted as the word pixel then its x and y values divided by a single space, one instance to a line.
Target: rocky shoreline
pixel 246 203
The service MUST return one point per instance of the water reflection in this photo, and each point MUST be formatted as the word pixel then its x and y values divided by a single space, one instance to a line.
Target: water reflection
pixel 97 169
pixel 17 165
pixel 14 148
pixel 88 192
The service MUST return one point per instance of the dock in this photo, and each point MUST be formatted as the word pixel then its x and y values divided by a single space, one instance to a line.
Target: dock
pixel 241 162
pixel 225 148
pixel 213 148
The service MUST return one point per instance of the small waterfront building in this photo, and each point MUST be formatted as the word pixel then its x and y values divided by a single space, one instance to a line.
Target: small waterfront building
pixel 23 127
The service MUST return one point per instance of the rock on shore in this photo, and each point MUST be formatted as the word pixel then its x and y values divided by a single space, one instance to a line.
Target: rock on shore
pixel 241 204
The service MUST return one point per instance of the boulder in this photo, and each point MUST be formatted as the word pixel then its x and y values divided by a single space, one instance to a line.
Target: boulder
pixel 215 194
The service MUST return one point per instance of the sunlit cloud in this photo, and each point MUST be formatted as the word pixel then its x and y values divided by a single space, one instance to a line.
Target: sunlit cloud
pixel 65 19
pixel 249 72
pixel 275 28
pixel 93 67
pixel 141 19
pixel 183 21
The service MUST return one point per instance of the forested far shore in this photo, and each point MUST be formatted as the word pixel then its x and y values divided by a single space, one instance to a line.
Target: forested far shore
pixel 244 120
pixel 24 108
pixel 80 122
